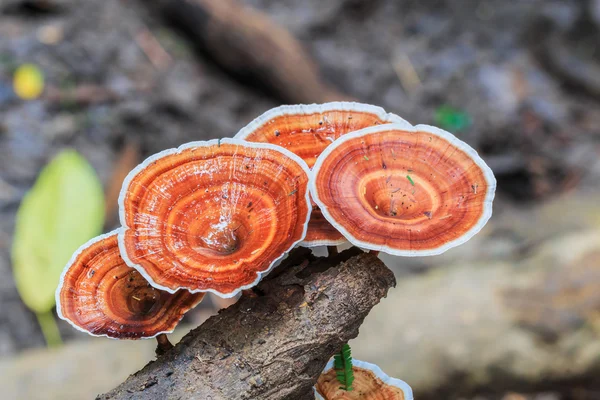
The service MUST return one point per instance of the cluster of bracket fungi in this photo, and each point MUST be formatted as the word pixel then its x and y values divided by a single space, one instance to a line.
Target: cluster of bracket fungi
pixel 215 216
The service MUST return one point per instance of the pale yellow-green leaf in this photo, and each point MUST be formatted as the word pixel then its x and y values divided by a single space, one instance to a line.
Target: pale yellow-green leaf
pixel 63 210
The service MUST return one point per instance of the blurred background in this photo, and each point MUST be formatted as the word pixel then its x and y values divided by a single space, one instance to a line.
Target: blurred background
pixel 514 314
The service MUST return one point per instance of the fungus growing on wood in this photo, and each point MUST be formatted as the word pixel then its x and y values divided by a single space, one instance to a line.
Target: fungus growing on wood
pixel 407 191
pixel 213 216
pixel 100 295
pixel 306 130
pixel 370 383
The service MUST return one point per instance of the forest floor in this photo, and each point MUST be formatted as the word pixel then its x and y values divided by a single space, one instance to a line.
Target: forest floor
pixel 523 77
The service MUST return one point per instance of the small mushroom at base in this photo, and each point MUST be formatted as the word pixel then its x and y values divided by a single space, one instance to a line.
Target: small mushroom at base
pixel 370 383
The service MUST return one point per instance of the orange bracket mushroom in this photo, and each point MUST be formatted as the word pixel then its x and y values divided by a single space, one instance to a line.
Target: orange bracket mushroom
pixel 306 130
pixel 100 295
pixel 370 383
pixel 406 191
pixel 213 216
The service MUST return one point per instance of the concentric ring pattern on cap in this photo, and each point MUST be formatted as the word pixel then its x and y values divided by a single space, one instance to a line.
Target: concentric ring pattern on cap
pixel 213 216
pixel 413 191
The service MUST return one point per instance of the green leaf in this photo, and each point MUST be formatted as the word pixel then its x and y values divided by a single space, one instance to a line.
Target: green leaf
pixel 452 119
pixel 63 210
pixel 342 363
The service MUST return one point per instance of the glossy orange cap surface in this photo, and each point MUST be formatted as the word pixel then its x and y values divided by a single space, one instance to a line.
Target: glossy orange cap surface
pixel 404 191
pixel 213 216
pixel 370 383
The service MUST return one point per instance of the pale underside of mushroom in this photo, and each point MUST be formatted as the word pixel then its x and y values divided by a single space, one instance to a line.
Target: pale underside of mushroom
pixel 213 216
pixel 407 191
pixel 370 383
pixel 100 295
pixel 307 130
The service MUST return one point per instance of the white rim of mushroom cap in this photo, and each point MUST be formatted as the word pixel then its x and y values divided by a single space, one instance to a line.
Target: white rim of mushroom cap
pixel 320 243
pixel 308 109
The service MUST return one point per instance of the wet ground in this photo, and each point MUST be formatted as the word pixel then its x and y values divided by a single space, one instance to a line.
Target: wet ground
pixel 532 113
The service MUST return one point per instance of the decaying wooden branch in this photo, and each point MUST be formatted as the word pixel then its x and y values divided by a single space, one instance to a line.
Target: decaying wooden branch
pixel 273 345
pixel 249 45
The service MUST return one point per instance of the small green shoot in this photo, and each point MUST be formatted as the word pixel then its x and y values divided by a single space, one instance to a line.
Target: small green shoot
pixel 342 363
pixel 452 119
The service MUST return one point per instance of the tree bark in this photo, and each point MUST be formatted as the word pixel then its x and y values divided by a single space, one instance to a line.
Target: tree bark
pixel 273 345
pixel 249 45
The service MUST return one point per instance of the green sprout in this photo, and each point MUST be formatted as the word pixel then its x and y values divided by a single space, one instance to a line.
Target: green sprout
pixel 342 363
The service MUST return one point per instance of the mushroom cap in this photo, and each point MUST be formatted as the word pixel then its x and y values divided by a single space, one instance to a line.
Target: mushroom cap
pixel 306 130
pixel 370 383
pixel 405 191
pixel 100 295
pixel 213 216
pixel 320 232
